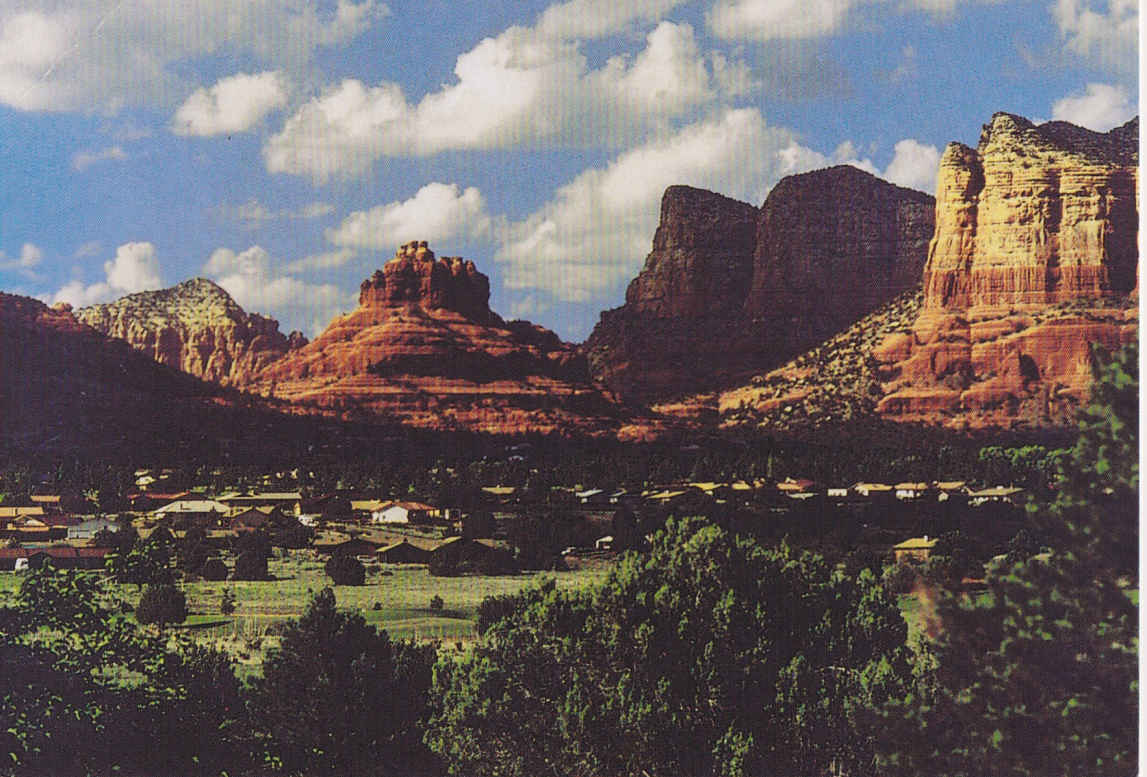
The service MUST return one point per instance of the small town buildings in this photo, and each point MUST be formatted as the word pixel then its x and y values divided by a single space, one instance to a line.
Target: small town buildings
pixel 1007 494
pixel 403 552
pixel 288 501
pixel 86 530
pixel 871 490
pixel 404 513
pixel 909 490
pixel 63 556
pixel 792 486
pixel 915 549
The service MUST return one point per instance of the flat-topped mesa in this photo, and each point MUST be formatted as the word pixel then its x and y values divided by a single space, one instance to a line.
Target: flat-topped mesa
pixel 1035 215
pixel 415 276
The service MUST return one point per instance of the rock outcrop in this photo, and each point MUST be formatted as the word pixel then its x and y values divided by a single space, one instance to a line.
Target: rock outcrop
pixel 683 310
pixel 1034 259
pixel 729 290
pixel 424 349
pixel 196 327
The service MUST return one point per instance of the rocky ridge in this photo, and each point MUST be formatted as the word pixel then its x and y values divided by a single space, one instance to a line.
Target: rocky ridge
pixel 836 382
pixel 423 348
pixel 196 327
pixel 729 290
pixel 1033 260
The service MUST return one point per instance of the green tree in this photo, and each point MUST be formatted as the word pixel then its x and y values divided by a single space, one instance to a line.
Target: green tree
pixel 85 691
pixel 339 697
pixel 709 655
pixel 1040 676
pixel 145 563
pixel 161 605
pixel 345 570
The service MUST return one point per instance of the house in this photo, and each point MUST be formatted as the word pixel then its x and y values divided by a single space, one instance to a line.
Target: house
pixel 86 530
pixel 915 549
pixel 909 490
pixel 792 486
pixel 592 496
pixel 251 519
pixel 63 556
pixel 404 513
pixel 872 489
pixel 336 543
pixel 455 550
pixel 329 507
pixel 500 494
pixel 285 500
pixel 194 507
pixel 1006 494
pixel 22 511
pixel 403 552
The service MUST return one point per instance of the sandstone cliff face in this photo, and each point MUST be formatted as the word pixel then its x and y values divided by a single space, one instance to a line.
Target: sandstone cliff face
pixel 424 349
pixel 195 327
pixel 1033 260
pixel 1035 215
pixel 682 311
pixel 729 289
pixel 832 246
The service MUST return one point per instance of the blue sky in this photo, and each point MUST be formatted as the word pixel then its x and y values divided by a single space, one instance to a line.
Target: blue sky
pixel 285 148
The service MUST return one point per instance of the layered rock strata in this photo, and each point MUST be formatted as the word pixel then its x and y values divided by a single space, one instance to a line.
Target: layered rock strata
pixel 196 327
pixel 1033 261
pixel 729 290
pixel 423 348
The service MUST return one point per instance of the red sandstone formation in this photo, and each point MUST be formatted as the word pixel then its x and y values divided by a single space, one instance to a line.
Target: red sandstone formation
pixel 424 349
pixel 1034 259
pixel 729 290
pixel 195 327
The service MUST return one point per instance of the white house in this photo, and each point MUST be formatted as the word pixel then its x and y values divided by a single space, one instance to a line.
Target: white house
pixel 404 512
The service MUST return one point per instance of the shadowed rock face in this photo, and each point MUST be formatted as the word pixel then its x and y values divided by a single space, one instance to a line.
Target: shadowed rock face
pixel 196 327
pixel 62 382
pixel 423 348
pixel 729 290
pixel 1034 260
pixel 681 314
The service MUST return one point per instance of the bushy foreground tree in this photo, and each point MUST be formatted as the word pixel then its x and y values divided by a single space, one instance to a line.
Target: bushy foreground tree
pixel 85 691
pixel 338 697
pixel 708 655
pixel 1040 676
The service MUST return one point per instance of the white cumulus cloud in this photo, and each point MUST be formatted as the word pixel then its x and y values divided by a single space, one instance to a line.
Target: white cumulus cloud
pixel 258 284
pixel 100 55
pixel 914 165
pixel 521 88
pixel 1101 107
pixel 1106 31
pixel 234 104
pixel 438 211
pixel 135 267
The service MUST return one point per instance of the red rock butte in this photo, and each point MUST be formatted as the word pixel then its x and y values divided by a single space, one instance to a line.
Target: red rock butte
pixel 424 348
pixel 1034 259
